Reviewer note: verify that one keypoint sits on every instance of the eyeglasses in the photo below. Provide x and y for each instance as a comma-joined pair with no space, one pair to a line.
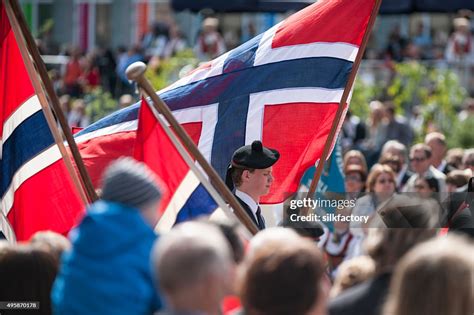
417,159
353,178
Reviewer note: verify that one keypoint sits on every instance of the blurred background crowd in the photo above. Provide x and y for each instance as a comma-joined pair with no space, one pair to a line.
422,63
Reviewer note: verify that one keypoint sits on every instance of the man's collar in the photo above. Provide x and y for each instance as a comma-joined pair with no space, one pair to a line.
442,165
247,199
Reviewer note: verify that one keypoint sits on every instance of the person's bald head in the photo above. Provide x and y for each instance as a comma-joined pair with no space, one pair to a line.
188,254
437,142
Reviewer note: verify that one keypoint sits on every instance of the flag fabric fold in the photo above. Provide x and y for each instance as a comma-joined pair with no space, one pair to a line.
35,187
186,196
282,87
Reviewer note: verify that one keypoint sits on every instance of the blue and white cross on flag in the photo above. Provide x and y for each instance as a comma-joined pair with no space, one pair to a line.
283,87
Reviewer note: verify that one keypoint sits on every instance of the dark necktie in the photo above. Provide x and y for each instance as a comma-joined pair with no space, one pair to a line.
261,222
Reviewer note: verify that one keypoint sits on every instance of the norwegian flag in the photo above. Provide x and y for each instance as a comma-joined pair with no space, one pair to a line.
187,196
35,188
282,87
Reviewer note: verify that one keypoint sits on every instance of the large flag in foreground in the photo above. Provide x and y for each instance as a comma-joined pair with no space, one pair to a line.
187,197
36,190
282,87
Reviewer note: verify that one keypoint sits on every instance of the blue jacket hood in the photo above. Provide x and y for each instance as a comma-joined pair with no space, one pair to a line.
108,229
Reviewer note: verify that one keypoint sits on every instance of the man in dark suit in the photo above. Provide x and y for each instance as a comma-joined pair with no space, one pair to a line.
250,173
437,142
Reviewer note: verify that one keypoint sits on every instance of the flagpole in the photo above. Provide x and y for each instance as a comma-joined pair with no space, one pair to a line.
136,72
345,95
28,47
185,155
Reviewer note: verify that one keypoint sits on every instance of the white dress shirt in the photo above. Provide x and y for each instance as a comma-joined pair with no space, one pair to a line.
249,201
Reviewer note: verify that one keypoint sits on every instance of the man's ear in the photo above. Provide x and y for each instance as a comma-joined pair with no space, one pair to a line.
245,175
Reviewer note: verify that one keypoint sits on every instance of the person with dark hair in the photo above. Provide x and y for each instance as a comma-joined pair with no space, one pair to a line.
311,230
456,181
354,180
396,129
460,207
427,187
108,270
282,274
250,172
229,230
27,274
353,132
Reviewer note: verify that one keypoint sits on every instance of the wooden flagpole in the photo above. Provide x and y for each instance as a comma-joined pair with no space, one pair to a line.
345,95
45,91
136,72
185,155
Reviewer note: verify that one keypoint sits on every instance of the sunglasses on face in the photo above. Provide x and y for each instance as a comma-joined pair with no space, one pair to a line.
353,178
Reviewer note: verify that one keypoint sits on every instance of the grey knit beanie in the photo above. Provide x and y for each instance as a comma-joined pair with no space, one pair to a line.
131,183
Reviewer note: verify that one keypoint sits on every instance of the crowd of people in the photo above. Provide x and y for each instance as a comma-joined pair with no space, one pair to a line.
400,262
105,67
423,175
113,262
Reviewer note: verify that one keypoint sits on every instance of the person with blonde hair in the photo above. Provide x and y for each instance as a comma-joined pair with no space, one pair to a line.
454,157
51,242
355,157
434,278
386,246
352,272
381,186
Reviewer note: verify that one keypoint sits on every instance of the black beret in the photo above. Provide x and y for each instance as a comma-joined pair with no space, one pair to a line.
255,156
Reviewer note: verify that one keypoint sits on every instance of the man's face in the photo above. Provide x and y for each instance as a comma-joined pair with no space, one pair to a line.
438,149
398,153
259,181
419,162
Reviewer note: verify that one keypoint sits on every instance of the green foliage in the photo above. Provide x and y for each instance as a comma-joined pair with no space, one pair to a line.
99,104
462,134
364,93
437,91
162,73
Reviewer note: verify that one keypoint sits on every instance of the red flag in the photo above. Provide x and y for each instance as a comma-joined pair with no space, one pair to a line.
36,190
187,197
